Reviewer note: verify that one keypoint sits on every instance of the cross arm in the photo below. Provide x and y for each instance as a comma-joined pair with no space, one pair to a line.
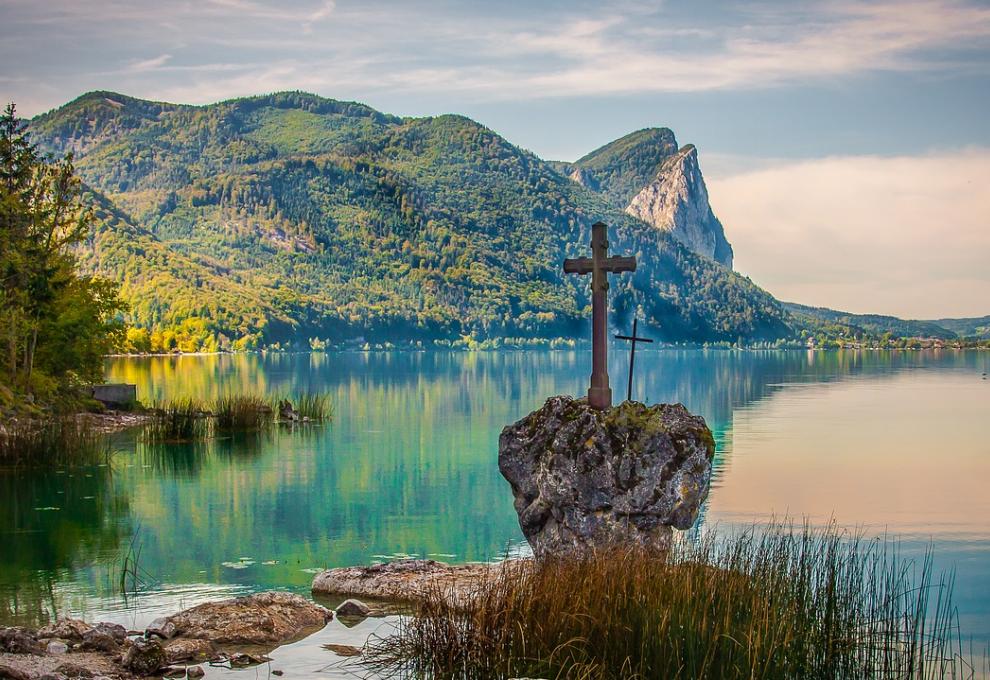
579,265
629,337
620,264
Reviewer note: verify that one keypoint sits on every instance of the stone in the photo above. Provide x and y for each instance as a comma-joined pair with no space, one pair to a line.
677,201
173,672
73,670
70,630
407,580
242,659
96,639
114,630
343,650
195,672
259,619
182,649
56,647
160,627
144,657
586,480
10,673
17,640
353,608
286,412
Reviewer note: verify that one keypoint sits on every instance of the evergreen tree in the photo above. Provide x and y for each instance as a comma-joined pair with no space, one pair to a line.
55,324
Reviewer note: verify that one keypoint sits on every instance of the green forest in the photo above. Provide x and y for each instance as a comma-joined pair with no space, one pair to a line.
292,221
56,324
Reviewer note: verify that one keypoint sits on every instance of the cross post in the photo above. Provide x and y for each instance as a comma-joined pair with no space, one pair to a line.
633,339
598,265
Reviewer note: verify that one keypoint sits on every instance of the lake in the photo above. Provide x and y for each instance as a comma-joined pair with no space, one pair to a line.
895,442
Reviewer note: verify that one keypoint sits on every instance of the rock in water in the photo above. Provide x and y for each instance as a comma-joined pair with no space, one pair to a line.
259,619
585,479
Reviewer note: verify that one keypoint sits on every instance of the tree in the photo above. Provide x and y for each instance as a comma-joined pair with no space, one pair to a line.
55,324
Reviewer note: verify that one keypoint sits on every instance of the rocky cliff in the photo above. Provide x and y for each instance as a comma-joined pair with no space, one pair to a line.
677,201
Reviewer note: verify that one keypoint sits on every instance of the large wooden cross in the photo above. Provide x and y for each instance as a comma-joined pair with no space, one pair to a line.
598,265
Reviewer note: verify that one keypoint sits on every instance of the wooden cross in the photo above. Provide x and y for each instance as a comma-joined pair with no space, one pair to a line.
598,265
633,339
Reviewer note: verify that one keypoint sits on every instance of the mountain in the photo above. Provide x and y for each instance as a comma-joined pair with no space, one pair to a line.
879,324
975,327
290,219
648,176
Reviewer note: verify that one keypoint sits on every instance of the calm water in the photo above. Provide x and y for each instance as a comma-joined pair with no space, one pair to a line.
896,442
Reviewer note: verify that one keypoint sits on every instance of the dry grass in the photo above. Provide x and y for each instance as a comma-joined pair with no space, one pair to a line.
783,603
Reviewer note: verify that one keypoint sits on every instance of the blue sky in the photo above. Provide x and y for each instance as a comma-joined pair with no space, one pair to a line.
875,113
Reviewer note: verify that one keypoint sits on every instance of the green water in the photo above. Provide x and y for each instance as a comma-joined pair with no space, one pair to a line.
886,441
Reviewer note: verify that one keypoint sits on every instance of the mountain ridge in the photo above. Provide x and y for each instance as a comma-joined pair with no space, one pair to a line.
336,222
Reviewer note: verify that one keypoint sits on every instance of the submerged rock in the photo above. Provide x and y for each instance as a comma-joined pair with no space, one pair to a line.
180,649
353,608
585,479
261,619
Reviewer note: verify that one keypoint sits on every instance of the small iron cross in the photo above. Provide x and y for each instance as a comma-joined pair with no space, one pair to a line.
633,339
598,265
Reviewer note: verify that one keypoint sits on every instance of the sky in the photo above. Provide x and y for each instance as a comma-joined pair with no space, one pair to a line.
846,145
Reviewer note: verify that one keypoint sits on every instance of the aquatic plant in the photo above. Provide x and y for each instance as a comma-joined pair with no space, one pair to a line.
314,405
242,412
182,420
778,603
58,440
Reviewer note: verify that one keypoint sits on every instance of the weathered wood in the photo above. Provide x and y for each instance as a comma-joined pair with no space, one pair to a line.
599,265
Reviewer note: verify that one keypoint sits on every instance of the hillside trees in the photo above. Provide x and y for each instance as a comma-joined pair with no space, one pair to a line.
55,323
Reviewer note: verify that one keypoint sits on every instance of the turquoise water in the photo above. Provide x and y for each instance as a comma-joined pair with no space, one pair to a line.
896,442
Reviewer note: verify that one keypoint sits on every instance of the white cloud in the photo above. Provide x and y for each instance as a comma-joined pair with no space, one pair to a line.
501,52
906,235
149,64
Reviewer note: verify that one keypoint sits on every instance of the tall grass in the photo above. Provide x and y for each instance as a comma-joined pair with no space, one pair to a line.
233,413
314,405
182,420
783,603
59,440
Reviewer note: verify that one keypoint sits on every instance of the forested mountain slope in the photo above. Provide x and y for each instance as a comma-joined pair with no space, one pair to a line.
289,218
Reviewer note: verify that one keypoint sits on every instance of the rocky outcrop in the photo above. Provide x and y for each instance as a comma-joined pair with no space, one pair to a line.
405,580
269,618
585,479
677,201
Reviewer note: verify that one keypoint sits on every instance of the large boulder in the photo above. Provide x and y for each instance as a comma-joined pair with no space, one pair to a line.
585,479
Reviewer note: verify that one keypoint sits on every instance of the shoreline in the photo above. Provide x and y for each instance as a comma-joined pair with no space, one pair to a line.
511,348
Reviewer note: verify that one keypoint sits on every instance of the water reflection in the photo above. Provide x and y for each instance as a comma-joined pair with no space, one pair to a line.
894,440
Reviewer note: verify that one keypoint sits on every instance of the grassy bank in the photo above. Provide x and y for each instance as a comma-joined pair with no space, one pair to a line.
781,604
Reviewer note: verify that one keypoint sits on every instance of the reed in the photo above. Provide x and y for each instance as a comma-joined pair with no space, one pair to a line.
314,405
242,412
781,603
182,420
58,441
